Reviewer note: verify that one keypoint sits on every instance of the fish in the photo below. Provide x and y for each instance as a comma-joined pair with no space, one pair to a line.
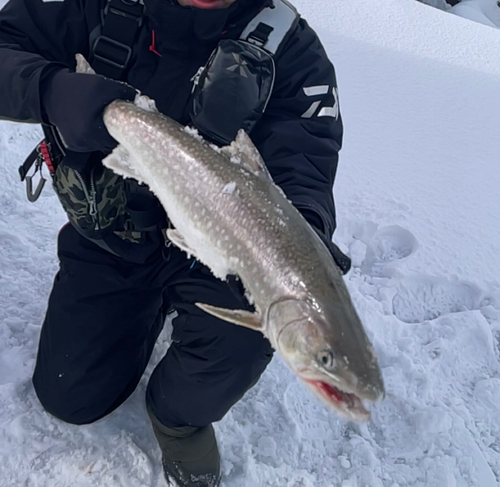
227,212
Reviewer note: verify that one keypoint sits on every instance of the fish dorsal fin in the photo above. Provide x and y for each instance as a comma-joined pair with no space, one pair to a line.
236,316
243,148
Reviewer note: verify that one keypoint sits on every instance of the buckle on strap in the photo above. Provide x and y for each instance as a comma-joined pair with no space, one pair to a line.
121,21
112,52
130,9
260,35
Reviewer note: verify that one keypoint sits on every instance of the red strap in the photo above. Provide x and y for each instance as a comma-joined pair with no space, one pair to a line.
44,150
152,47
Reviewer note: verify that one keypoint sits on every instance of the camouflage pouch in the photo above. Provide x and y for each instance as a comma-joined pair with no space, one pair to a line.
95,203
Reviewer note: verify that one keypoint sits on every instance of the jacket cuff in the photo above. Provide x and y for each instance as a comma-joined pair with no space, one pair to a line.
317,223
47,77
317,217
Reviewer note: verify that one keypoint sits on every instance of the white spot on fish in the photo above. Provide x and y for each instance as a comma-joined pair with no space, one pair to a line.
229,188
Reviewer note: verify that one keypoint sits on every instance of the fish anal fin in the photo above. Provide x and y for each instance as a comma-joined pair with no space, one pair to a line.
244,149
237,316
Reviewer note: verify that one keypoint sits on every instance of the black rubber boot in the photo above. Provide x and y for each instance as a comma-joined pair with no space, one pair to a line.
190,455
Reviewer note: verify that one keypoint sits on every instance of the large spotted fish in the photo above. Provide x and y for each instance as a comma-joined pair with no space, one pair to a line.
227,212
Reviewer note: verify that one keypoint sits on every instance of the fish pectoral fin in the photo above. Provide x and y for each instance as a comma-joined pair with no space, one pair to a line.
244,149
236,316
179,241
122,163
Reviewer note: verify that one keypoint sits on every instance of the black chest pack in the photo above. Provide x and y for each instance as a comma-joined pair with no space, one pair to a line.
231,91
233,88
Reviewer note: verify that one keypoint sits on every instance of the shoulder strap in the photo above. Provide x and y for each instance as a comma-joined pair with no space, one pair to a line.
111,51
270,26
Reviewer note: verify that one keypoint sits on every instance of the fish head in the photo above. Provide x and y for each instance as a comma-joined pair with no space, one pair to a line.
330,353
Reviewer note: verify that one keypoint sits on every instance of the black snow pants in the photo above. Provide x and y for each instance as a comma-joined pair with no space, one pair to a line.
104,316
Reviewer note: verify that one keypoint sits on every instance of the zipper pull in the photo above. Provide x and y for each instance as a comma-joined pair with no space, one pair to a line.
93,206
90,196
93,210
92,200
196,78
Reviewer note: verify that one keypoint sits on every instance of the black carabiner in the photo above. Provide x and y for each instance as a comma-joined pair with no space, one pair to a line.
34,195
36,158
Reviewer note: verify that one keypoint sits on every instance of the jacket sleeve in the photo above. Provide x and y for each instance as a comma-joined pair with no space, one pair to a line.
36,37
300,133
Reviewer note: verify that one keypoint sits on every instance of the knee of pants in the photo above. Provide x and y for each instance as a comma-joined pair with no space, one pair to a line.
237,360
186,389
247,364
63,402
231,388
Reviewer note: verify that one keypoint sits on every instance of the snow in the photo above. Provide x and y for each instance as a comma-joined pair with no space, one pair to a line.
417,196
145,103
486,12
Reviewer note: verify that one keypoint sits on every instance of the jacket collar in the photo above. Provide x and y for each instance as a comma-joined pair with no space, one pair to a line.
182,28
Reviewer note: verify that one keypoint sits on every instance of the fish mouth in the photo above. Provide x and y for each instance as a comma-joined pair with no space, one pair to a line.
346,404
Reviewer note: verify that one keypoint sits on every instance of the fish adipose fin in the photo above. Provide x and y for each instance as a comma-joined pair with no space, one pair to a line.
178,240
236,316
244,149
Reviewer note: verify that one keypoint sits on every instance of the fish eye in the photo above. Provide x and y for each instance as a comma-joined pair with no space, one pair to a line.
326,359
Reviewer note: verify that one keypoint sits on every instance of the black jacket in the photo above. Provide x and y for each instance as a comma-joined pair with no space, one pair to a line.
300,148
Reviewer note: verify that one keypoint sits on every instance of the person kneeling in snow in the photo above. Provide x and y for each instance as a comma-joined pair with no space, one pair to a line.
118,277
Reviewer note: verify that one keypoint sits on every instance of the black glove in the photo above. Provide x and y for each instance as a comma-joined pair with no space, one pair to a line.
343,261
75,102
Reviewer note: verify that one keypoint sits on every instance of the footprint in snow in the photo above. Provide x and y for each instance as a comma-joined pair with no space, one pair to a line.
7,238
388,246
421,299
